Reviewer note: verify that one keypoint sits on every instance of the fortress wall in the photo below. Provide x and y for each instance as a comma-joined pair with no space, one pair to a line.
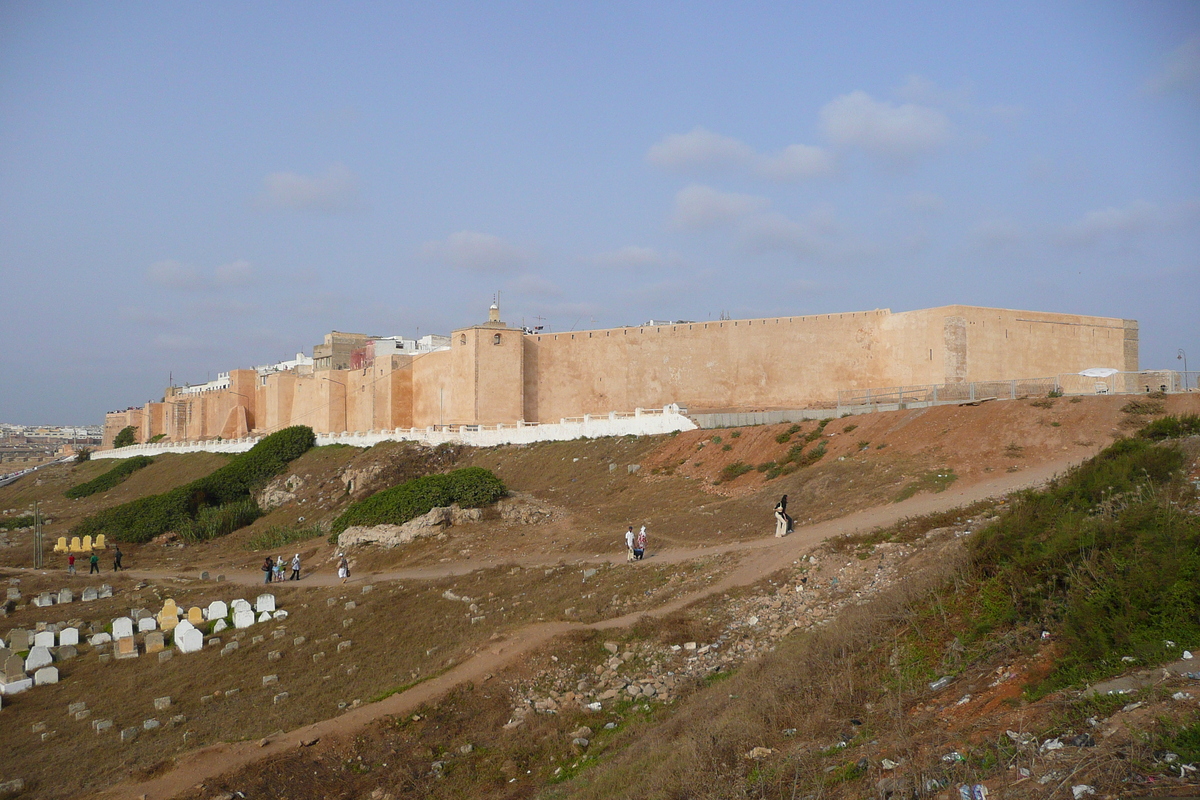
432,388
970,343
783,362
114,421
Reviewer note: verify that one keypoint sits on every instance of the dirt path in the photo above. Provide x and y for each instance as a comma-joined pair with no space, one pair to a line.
763,556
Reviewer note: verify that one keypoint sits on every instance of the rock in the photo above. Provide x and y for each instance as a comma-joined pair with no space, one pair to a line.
582,733
309,742
426,525
759,753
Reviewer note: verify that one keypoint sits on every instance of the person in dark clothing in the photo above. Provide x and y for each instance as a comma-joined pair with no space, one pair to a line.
95,562
117,556
783,523
268,570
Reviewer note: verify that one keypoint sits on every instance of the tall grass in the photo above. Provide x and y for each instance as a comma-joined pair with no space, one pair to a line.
278,536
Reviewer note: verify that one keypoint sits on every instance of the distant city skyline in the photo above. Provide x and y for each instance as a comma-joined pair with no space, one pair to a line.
189,189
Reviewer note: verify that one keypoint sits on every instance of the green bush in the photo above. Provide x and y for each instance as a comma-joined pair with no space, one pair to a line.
184,509
125,437
12,523
735,470
278,536
471,487
1172,427
107,480
1105,558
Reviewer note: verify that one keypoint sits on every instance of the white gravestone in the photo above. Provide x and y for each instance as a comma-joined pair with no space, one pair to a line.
122,627
243,617
265,602
188,639
264,616
45,675
218,610
219,626
38,657
147,624
68,636
43,639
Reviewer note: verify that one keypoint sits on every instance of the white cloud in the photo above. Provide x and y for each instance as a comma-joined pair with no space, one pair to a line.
702,149
884,129
1094,226
700,207
699,149
633,256
332,191
479,252
1180,71
235,273
173,275
796,162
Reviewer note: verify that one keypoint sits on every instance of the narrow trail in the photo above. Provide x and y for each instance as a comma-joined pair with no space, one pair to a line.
762,557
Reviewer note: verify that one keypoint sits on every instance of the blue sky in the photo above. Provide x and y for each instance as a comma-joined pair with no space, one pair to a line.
189,188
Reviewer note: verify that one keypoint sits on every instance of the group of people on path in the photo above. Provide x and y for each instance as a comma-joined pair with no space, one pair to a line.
635,544
273,572
95,562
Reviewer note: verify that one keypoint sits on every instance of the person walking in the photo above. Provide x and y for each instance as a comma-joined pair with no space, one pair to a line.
343,567
629,544
639,547
117,556
279,569
783,523
268,570
95,562
71,564
295,568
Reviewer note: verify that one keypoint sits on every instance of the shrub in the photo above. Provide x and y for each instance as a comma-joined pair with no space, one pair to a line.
125,437
158,437
107,480
1171,428
1142,407
1103,556
812,456
180,509
735,434
12,523
472,487
766,466
1054,393
278,536
1045,402
83,454
848,428
783,438
734,470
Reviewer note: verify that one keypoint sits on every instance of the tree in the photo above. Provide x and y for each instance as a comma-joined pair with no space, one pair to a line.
125,437
83,454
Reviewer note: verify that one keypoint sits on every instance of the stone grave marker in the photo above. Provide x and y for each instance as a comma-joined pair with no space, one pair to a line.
219,626
203,576
218,610
68,636
195,615
264,616
43,600
18,640
45,675
155,642
122,628
265,602
65,653
168,618
97,639
44,639
66,596
76,546
147,624
14,593
280,614
4,655
138,613
14,669
243,616
89,594
188,639
105,592
126,648
38,657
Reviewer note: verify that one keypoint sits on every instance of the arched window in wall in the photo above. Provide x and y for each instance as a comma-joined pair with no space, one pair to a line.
496,339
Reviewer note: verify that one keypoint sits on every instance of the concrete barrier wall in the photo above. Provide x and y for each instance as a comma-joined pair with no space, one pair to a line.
638,423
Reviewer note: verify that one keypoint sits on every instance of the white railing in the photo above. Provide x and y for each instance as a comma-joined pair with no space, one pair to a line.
637,423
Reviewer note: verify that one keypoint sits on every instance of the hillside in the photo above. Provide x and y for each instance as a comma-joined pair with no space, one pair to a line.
774,668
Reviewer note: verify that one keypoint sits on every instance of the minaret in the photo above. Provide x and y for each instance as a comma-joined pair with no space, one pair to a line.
494,313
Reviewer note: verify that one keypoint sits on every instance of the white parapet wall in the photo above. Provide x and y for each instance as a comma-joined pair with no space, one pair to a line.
641,422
